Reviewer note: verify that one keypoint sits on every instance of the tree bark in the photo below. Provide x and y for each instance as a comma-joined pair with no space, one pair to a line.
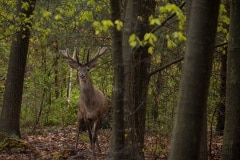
117,139
136,63
10,115
195,82
221,105
231,142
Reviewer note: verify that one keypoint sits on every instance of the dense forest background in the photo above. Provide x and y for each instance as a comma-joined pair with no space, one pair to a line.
86,25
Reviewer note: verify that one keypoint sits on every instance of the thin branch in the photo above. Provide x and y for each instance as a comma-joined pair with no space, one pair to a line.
179,60
221,44
2,78
162,24
166,66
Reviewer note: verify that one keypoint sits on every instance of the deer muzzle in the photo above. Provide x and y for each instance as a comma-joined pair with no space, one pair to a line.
83,78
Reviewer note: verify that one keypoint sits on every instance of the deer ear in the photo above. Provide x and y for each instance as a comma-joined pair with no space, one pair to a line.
92,64
73,64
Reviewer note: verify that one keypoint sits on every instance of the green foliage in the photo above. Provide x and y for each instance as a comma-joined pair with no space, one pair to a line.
173,39
223,22
7,18
102,26
173,9
105,25
176,37
15,144
148,40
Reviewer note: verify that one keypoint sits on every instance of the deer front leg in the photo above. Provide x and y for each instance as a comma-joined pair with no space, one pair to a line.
77,135
92,145
90,135
95,137
79,123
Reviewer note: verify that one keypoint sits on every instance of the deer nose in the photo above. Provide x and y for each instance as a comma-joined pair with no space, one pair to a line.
82,76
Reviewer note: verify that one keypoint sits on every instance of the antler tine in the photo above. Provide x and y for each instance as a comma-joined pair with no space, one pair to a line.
76,51
65,54
99,53
88,57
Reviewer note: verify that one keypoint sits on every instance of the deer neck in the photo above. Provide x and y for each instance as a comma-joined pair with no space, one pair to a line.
87,89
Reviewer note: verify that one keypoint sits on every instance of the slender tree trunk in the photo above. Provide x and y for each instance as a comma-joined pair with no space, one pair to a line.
231,142
137,63
129,24
221,105
195,82
117,139
69,87
223,76
10,115
203,144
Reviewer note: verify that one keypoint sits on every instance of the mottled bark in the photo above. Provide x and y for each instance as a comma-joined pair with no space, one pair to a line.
191,111
10,115
221,105
231,142
136,63
117,139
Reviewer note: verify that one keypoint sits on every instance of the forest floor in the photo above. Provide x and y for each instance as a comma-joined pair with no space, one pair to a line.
57,144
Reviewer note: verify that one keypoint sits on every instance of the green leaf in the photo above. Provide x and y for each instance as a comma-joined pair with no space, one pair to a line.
107,24
25,5
150,38
58,17
133,40
119,24
46,14
154,21
146,36
150,49
91,3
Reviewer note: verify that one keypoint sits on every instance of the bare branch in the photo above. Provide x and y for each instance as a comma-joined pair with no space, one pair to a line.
221,44
179,60
166,66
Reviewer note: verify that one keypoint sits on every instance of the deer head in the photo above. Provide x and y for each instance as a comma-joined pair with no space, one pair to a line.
82,68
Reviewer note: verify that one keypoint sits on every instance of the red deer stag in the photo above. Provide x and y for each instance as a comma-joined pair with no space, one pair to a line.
92,105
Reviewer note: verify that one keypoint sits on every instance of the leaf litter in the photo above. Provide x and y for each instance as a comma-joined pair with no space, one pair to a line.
58,144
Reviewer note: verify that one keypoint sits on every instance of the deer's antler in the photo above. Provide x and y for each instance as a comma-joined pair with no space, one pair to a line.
99,53
66,55
71,61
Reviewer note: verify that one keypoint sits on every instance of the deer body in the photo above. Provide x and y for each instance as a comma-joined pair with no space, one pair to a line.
92,105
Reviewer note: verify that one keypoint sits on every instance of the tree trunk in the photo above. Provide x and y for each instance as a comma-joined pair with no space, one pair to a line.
117,139
231,142
203,155
195,82
221,105
10,115
136,63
